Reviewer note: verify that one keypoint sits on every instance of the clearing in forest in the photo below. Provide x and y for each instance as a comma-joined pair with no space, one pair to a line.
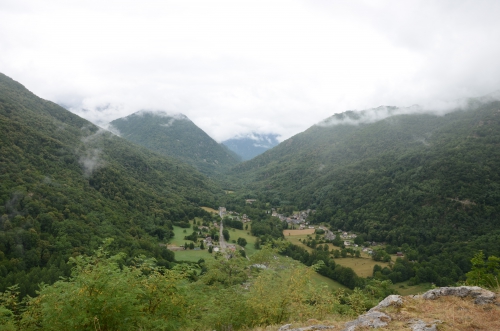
210,210
298,232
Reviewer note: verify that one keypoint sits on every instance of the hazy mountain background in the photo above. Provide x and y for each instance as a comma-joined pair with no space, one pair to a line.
251,145
66,184
176,136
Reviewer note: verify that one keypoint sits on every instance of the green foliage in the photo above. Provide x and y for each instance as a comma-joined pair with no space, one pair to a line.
422,180
65,185
104,294
232,223
225,234
484,272
176,136
242,242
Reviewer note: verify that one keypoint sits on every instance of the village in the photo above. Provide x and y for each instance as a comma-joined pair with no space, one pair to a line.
228,232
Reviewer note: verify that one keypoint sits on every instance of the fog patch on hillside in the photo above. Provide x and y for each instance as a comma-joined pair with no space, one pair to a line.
89,155
437,108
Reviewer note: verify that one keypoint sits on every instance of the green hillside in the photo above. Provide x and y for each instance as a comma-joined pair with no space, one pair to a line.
425,181
176,136
67,184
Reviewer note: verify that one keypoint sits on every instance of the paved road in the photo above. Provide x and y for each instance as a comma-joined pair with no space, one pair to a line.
222,242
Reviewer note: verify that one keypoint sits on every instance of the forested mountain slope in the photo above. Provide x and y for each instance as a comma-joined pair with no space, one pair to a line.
67,184
431,182
176,136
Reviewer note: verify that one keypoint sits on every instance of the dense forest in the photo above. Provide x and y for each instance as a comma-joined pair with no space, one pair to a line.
423,181
177,136
67,184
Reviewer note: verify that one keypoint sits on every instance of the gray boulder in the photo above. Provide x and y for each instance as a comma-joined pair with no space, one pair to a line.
286,327
372,319
391,300
481,295
419,325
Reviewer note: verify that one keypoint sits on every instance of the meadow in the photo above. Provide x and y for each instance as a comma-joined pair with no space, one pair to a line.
298,232
210,210
362,266
195,255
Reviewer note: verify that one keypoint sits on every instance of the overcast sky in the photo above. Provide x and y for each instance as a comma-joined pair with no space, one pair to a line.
235,67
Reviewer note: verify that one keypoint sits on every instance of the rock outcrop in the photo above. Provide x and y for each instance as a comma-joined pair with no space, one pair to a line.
416,313
287,327
481,295
376,318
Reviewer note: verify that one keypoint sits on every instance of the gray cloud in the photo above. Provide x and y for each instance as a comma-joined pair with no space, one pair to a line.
90,154
239,67
90,160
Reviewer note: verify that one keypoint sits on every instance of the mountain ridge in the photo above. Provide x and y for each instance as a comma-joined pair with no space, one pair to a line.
175,135
66,185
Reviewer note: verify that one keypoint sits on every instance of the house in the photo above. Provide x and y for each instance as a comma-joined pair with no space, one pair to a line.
347,243
222,211
250,201
399,254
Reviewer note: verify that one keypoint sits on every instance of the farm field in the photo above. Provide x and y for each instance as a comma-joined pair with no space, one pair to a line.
210,210
404,289
294,239
362,266
179,234
234,234
287,233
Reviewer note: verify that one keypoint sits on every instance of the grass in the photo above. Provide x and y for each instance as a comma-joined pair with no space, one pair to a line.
362,266
405,289
294,233
234,234
448,313
178,239
210,210
319,280
194,256
453,313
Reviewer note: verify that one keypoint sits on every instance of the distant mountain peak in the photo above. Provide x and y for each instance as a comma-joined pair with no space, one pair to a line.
160,114
175,135
250,145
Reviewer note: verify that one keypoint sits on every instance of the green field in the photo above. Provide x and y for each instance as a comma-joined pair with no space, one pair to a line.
210,210
194,256
234,234
179,234
404,289
362,266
